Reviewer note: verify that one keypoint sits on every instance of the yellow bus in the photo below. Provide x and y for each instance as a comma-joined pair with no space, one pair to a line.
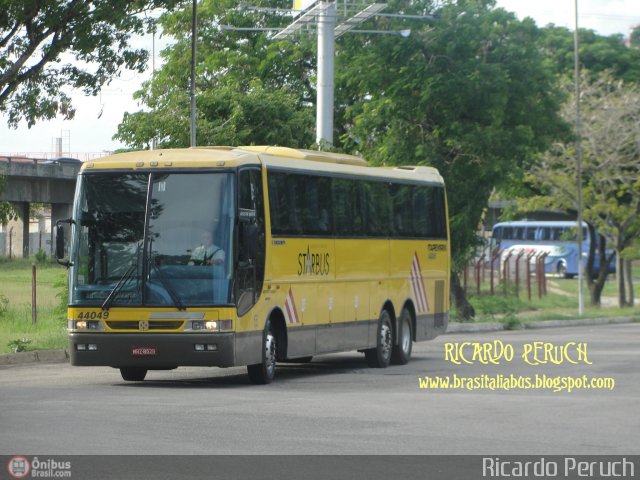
223,256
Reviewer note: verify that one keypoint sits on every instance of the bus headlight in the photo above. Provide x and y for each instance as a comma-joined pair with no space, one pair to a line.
210,325
85,325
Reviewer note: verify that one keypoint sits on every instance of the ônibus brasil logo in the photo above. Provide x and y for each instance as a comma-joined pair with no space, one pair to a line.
19,467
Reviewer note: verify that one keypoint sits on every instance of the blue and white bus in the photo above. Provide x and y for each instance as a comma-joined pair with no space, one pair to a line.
558,239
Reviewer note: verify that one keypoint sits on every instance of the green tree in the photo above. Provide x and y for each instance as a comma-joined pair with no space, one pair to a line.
49,46
610,180
469,94
250,90
598,53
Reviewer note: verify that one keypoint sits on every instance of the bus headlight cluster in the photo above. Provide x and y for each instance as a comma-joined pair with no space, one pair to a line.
211,325
85,325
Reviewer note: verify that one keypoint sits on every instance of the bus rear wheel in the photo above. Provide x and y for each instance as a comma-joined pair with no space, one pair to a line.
380,356
264,372
402,351
133,374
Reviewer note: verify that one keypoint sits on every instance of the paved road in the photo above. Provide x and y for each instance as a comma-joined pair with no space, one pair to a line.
335,405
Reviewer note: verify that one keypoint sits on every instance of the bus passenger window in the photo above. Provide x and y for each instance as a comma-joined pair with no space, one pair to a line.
543,233
530,233
556,233
347,203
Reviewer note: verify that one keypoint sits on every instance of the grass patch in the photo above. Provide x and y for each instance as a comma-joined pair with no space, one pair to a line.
16,329
561,303
570,286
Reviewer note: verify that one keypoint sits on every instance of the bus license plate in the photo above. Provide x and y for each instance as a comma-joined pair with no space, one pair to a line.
144,351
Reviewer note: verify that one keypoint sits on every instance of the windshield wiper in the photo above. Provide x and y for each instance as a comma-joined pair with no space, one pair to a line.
124,279
167,286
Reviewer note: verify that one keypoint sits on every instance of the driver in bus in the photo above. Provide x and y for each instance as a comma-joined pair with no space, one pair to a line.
207,253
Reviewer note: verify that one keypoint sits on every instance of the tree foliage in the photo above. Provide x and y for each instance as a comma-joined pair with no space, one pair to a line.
49,46
468,94
250,90
610,168
597,53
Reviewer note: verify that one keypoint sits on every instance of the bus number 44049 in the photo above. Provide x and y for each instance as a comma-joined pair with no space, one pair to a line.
93,315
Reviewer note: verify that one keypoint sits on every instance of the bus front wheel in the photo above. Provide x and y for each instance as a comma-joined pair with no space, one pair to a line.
402,351
562,269
265,372
380,356
133,374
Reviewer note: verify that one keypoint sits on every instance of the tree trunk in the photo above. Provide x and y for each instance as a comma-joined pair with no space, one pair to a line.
622,300
629,281
465,310
595,293
596,279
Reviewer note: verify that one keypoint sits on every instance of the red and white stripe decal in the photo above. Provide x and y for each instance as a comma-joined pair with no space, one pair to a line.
290,311
417,285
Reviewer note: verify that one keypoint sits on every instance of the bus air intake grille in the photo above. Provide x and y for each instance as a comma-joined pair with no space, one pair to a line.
153,325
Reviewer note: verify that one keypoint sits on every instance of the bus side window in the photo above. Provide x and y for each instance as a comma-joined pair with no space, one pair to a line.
347,204
402,216
278,203
436,223
378,211
543,234
530,233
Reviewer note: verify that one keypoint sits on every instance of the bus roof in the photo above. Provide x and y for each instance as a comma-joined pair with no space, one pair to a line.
538,223
276,157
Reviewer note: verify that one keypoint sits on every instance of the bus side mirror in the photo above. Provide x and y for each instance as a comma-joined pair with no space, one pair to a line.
60,243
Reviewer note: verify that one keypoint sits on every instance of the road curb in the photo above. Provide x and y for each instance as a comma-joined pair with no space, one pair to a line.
43,356
456,327
61,356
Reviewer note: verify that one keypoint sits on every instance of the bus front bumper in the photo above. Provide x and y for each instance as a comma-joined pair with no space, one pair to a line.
152,350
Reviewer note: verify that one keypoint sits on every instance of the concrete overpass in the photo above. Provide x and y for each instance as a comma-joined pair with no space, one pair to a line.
43,181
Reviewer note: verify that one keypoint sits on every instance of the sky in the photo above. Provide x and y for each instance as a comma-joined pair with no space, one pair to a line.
90,133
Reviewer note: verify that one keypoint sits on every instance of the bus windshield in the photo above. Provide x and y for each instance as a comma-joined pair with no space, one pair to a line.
160,239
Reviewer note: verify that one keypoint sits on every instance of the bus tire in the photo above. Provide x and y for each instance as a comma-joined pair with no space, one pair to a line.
402,351
380,356
133,374
264,372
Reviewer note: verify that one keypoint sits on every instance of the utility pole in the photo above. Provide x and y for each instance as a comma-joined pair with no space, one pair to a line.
576,56
325,87
323,13
194,21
